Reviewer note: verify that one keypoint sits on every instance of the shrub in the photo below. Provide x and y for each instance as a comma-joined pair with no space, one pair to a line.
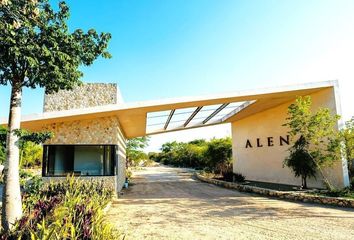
348,136
218,154
71,209
238,177
2,154
128,173
352,183
154,156
345,192
148,163
24,176
31,154
233,177
213,155
228,176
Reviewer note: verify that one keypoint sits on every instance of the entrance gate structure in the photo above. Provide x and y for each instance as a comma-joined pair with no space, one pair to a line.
91,125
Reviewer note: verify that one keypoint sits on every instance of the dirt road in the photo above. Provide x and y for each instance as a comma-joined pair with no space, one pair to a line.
166,203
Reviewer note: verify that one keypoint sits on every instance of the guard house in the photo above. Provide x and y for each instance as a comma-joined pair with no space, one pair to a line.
91,124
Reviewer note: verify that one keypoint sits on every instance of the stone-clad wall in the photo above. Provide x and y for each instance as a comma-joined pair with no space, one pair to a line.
87,95
103,130
121,175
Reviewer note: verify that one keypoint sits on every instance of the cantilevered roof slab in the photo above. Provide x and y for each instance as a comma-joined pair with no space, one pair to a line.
135,118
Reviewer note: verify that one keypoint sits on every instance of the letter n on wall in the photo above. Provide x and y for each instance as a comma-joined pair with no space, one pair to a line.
283,140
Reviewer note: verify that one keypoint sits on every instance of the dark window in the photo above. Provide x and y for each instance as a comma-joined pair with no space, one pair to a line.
83,160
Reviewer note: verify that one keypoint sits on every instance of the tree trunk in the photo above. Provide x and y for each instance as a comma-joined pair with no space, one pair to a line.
11,200
328,184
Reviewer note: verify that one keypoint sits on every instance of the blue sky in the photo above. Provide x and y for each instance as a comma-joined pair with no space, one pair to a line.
174,48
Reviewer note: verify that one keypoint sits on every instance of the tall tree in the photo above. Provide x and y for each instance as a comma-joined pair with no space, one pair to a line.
37,50
315,139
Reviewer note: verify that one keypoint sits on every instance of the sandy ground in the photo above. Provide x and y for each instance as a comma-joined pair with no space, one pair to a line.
166,203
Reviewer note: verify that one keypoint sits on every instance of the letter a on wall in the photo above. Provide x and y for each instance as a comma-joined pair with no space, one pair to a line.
248,144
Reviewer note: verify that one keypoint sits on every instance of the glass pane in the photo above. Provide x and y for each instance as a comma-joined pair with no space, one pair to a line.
88,160
60,160
84,160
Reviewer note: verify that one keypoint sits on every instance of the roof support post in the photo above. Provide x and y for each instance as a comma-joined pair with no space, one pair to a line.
169,118
192,116
215,112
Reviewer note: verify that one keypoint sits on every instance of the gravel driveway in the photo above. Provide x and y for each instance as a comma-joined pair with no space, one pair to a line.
166,203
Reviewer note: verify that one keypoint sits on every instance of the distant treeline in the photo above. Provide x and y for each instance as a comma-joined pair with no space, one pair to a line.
213,156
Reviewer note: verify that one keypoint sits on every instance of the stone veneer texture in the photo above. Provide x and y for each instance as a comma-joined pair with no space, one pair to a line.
103,130
121,173
84,96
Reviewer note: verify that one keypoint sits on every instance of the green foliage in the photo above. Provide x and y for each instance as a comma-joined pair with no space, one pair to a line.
3,134
128,173
181,154
135,153
2,155
70,209
348,136
300,161
25,136
137,143
315,138
31,155
213,155
37,49
238,177
346,193
34,137
219,155
233,177
30,149
25,175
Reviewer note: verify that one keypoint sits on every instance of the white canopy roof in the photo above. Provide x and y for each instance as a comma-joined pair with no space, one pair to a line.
151,117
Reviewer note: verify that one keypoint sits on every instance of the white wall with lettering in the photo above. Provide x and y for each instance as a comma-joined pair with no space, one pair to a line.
260,145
